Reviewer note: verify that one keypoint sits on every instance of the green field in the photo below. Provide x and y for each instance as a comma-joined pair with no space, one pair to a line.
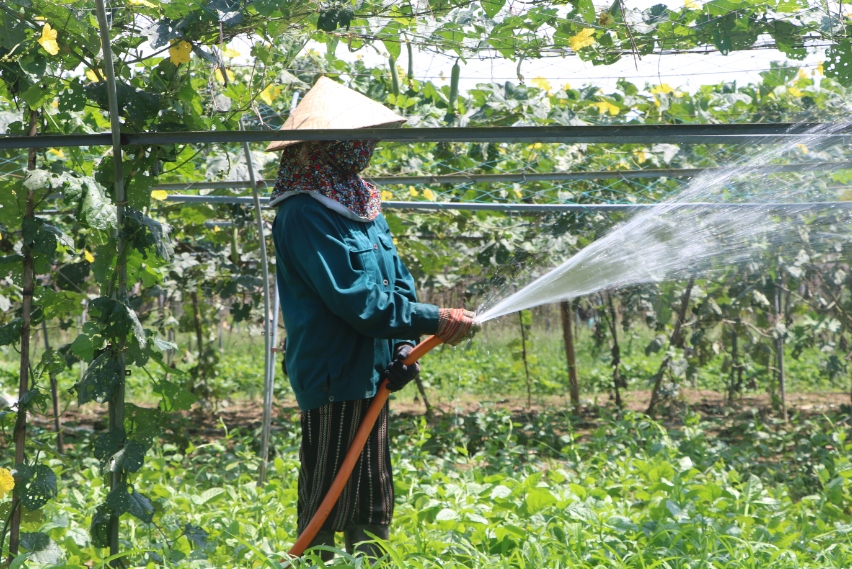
486,482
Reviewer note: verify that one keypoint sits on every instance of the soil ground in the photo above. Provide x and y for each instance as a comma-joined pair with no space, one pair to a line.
207,424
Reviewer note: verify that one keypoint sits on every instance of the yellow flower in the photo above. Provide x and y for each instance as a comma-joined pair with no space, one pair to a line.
413,192
159,195
537,146
7,482
802,148
583,39
664,89
604,107
518,193
228,52
270,94
387,195
48,40
656,102
429,194
541,83
640,155
216,229
92,76
567,87
820,69
88,256
57,152
228,72
794,91
179,52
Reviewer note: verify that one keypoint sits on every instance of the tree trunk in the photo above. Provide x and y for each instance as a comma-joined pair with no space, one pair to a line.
420,388
28,283
54,395
734,385
567,315
524,356
196,318
616,351
675,340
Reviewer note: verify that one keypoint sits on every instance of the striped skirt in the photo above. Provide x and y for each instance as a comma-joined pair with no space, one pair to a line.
327,433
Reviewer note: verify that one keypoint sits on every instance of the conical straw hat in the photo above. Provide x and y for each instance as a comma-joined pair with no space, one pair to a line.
330,105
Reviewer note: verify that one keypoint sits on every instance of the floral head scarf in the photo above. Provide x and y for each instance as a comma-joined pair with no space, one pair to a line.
328,171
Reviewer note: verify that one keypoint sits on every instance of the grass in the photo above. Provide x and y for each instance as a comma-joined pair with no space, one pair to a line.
486,486
494,490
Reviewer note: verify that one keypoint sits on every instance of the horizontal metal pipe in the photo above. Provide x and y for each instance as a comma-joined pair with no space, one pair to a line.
531,177
536,208
601,134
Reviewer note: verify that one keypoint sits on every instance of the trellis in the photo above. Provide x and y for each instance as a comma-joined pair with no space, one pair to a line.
622,134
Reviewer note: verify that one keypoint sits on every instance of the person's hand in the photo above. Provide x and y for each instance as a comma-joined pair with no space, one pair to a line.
456,324
397,373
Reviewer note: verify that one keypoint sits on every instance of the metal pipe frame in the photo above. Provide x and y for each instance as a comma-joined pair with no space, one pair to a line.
595,134
524,177
116,401
537,208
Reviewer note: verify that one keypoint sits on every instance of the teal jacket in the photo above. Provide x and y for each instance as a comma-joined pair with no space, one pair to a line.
347,300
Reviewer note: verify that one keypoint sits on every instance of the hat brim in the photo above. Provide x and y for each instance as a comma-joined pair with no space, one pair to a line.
282,144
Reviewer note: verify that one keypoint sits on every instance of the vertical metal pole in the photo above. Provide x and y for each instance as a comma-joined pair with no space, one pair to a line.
271,335
275,311
116,403
267,323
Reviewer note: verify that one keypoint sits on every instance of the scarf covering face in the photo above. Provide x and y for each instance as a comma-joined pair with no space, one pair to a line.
328,172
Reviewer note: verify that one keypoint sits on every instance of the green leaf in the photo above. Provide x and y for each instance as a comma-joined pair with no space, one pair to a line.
393,41
33,397
196,535
538,499
118,499
100,380
42,240
130,458
36,96
34,485
72,276
108,444
12,29
87,342
141,507
99,528
141,232
11,333
52,363
175,398
43,549
492,7
839,62
142,424
117,320
96,210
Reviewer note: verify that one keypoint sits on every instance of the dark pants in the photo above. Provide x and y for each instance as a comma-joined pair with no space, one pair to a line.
327,433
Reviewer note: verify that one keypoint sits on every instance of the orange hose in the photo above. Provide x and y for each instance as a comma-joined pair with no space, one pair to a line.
354,452
421,349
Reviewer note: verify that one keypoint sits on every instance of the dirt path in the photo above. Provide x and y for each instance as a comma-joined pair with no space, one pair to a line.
207,424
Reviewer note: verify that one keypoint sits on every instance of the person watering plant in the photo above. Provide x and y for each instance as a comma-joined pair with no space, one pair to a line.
350,310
